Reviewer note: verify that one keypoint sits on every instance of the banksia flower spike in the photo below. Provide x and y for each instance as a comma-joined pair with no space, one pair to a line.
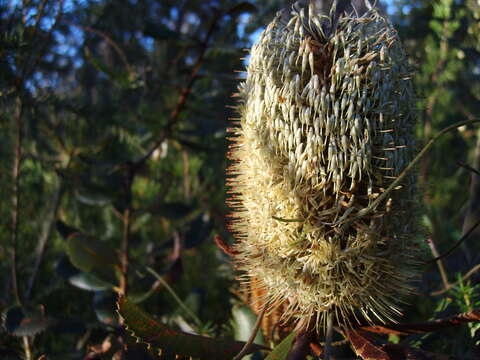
326,124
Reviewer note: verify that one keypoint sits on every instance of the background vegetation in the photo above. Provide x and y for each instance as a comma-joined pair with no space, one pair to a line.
113,118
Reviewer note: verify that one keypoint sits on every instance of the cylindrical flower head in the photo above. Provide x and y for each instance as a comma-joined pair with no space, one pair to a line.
327,123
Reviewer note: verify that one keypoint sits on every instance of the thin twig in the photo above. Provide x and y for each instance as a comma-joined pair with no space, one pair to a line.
125,246
253,335
182,100
370,208
464,277
457,244
441,267
27,348
468,167
108,39
45,235
28,70
175,296
15,210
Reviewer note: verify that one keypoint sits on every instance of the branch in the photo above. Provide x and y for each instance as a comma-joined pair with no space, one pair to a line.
457,244
45,235
126,219
471,272
430,326
15,216
441,267
253,335
41,52
182,100
370,208
108,39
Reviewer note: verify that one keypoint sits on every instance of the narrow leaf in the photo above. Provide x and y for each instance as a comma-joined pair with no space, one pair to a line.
280,352
156,335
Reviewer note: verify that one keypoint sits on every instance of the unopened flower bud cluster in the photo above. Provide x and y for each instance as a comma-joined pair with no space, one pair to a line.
327,121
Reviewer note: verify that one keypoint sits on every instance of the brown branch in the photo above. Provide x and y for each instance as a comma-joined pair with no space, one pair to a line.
471,272
108,39
441,267
44,236
370,208
125,245
253,335
41,52
457,244
472,213
15,210
430,326
182,100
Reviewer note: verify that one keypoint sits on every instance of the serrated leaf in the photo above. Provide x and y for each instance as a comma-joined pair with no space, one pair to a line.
19,321
86,253
364,348
156,335
280,352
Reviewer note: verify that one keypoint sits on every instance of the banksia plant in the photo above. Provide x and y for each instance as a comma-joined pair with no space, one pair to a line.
326,125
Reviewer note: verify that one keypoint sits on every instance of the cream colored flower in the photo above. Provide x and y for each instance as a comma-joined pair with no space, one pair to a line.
327,122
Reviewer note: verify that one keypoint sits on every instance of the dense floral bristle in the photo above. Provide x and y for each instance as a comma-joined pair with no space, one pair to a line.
327,121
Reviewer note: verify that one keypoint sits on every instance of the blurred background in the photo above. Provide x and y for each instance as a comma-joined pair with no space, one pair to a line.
113,117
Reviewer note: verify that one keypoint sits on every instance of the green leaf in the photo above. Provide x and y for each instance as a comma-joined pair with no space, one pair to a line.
159,31
173,210
89,282
91,198
280,352
86,253
156,335
104,307
243,323
80,279
243,7
19,321
64,229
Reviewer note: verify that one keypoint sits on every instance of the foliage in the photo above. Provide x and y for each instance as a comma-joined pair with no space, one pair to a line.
114,114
